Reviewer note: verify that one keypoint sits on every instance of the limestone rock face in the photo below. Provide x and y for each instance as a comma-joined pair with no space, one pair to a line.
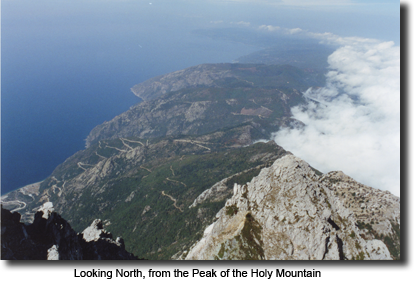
377,212
287,212
94,231
99,244
47,209
53,253
219,190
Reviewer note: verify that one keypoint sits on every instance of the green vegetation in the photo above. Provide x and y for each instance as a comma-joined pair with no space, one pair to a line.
317,172
180,170
326,198
360,256
221,252
265,93
146,193
231,210
391,241
243,178
333,180
363,225
248,245
249,237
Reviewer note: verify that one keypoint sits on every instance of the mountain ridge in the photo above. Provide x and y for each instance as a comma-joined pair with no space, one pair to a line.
160,173
231,95
287,212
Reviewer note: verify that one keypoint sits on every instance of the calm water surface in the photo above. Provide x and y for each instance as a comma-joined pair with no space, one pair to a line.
61,78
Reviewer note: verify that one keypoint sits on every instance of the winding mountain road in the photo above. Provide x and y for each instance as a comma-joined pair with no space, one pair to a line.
197,143
172,199
15,202
176,181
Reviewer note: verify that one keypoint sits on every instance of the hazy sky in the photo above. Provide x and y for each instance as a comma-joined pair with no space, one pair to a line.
377,18
108,42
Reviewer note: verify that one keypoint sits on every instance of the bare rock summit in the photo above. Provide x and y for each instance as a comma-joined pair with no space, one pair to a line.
288,212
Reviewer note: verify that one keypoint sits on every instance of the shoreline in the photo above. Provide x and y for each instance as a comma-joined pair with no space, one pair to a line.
17,189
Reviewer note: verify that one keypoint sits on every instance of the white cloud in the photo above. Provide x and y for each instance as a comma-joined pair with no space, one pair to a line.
329,38
355,127
269,28
294,31
241,23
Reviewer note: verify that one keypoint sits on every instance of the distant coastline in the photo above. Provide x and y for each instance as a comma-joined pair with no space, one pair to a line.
31,185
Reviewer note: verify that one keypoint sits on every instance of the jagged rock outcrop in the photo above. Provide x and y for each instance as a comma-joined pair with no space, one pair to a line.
223,190
288,212
97,243
51,237
377,212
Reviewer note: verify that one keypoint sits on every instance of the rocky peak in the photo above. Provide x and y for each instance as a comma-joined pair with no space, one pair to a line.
94,231
51,237
286,212
47,209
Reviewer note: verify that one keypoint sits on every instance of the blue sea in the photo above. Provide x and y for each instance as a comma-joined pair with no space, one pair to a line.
64,72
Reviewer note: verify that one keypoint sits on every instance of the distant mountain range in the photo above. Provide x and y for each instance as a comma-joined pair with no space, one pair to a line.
183,175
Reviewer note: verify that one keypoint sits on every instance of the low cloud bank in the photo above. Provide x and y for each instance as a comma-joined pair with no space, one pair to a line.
353,124
271,28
